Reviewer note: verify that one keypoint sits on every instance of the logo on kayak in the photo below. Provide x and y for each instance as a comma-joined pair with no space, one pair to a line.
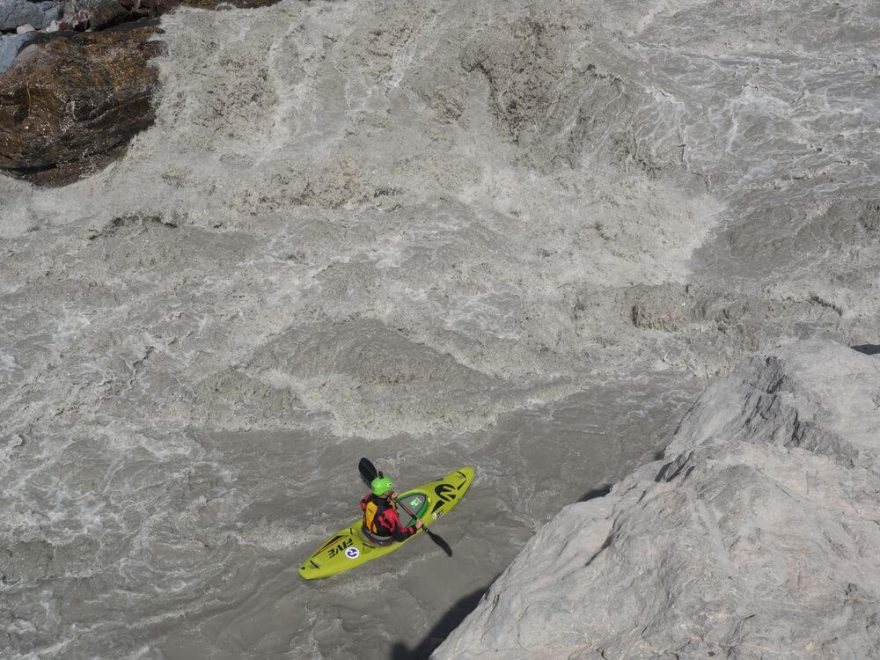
446,492
345,547
438,514
331,542
352,553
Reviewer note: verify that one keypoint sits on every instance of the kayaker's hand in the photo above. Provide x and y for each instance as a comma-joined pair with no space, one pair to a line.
419,524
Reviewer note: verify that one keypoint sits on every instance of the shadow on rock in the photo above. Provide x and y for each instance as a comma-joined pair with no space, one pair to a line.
447,623
599,491
867,349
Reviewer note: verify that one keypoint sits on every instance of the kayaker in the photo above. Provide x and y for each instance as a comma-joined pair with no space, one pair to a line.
380,513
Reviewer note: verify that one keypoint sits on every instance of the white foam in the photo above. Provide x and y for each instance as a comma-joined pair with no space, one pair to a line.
8,362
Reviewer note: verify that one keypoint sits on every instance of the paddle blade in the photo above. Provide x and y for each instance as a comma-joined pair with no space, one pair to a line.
368,470
439,541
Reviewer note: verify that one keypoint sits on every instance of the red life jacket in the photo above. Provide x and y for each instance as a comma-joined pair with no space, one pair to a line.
381,519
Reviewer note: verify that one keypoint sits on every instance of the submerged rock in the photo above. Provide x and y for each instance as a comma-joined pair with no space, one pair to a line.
756,536
70,104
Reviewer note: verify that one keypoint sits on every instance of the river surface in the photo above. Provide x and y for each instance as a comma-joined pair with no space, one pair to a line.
514,235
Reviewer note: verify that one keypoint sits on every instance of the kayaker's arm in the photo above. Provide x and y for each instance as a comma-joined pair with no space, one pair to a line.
398,531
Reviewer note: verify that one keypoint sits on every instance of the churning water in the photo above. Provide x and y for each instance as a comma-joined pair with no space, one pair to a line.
514,235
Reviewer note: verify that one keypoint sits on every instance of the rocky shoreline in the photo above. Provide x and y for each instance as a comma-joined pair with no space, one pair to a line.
72,102
755,535
76,83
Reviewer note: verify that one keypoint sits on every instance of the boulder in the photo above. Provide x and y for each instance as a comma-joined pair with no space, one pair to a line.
102,14
221,4
11,45
756,536
14,13
71,102
150,7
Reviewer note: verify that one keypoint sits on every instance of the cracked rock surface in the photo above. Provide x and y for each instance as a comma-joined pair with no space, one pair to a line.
756,533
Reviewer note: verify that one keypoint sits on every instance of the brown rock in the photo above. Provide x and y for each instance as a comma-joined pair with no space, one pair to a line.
107,14
149,7
159,7
239,4
70,104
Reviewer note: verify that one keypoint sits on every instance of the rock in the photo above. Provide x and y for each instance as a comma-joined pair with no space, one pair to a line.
24,29
102,14
97,14
71,105
820,397
237,4
14,13
756,536
80,21
11,45
159,7
152,7
107,14
71,102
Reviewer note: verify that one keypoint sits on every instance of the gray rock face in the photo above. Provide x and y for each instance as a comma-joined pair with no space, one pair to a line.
757,537
14,13
10,46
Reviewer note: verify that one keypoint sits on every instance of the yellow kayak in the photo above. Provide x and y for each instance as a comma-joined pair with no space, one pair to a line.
349,548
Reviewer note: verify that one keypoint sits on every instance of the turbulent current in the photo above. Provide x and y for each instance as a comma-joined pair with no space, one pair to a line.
515,235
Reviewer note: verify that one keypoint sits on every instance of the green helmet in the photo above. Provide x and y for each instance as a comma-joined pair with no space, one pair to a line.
381,485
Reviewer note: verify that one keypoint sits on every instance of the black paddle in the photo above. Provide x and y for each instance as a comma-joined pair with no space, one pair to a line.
369,472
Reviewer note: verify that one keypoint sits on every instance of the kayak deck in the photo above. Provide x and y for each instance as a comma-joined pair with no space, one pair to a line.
348,548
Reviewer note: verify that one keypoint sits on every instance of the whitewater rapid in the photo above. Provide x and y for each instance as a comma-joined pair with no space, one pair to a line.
516,235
